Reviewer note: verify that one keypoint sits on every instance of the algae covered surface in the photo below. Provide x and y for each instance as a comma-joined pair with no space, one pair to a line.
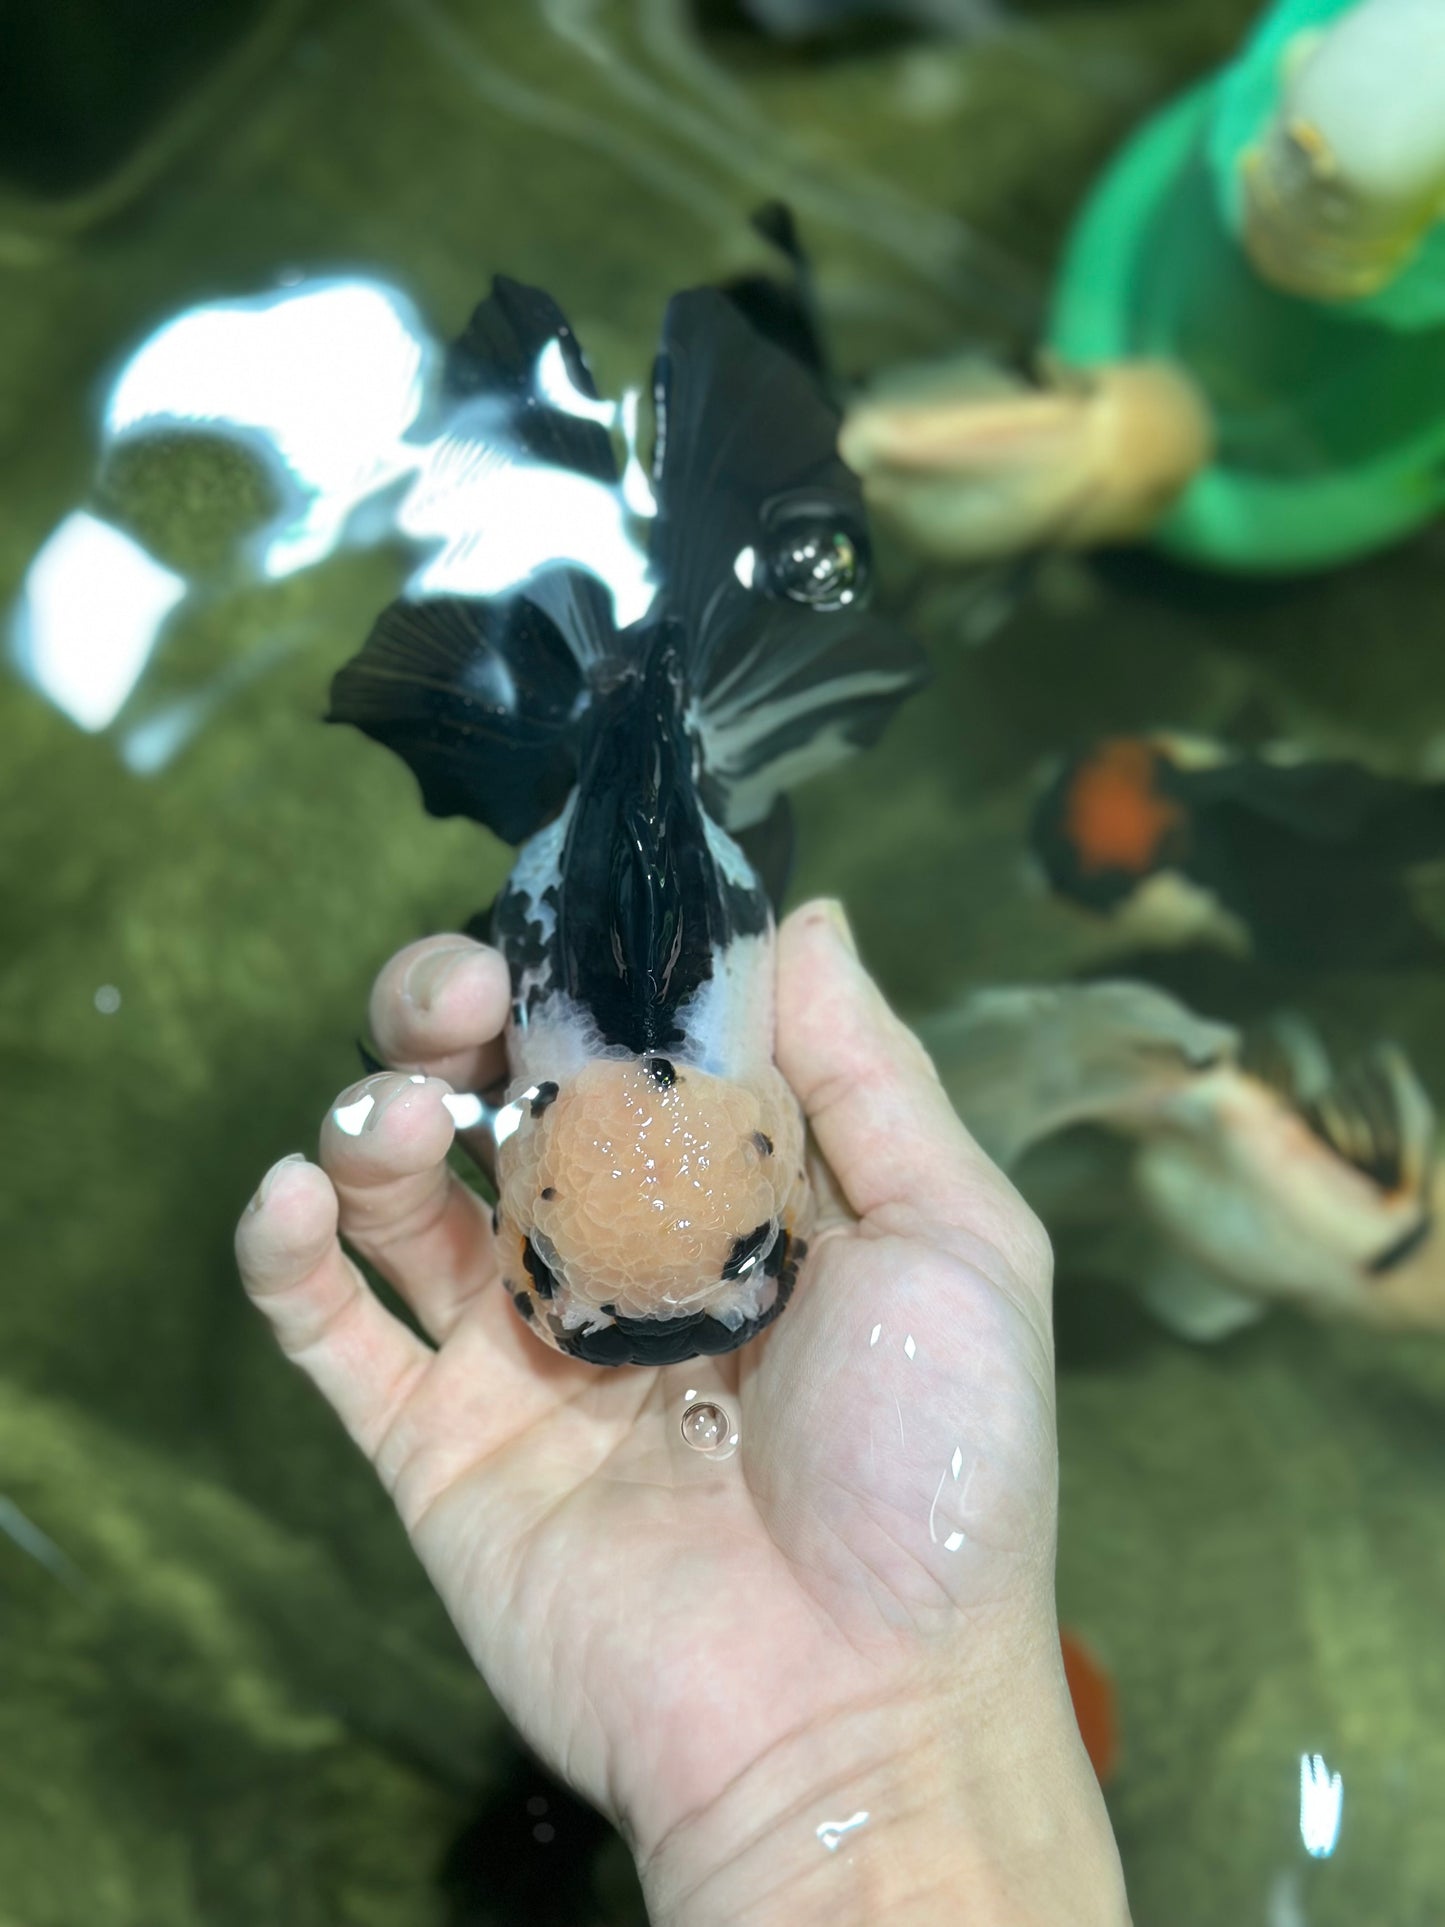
229,1697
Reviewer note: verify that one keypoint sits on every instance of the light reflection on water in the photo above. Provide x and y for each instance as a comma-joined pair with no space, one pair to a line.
1321,1806
325,381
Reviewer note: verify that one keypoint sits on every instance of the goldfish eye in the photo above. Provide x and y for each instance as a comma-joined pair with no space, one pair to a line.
814,562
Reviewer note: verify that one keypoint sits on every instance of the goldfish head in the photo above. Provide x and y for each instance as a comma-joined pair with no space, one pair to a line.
649,1211
1292,1180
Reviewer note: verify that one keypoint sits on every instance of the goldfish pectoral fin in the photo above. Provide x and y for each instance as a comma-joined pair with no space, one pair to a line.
1194,1302
1023,1062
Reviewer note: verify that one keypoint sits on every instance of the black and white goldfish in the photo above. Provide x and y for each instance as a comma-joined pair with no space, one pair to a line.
1304,864
653,1202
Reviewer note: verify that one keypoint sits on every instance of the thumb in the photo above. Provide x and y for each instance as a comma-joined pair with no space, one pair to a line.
879,1113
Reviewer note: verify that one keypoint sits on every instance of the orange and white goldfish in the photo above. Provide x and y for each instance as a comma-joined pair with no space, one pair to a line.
1258,1172
1301,863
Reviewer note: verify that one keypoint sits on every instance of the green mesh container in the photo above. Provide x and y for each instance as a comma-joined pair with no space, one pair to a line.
1331,416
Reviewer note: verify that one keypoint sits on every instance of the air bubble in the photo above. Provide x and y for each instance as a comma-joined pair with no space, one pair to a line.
705,1426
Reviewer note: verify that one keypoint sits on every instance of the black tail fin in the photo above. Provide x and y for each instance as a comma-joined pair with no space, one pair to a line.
784,311
482,697
498,357
762,552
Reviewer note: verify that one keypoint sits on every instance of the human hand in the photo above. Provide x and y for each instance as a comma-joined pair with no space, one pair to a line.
854,1614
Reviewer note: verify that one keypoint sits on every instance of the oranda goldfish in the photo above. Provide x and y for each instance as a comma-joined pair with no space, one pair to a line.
652,1197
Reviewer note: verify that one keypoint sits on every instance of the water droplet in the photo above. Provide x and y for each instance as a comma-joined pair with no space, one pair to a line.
107,1000
705,1426
831,1832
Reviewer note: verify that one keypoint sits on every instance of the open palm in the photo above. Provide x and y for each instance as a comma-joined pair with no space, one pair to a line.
658,1622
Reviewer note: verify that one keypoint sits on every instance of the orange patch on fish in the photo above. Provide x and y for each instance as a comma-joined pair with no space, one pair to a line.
1092,1691
1114,816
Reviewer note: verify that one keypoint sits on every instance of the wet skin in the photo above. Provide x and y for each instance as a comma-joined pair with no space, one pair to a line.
855,1612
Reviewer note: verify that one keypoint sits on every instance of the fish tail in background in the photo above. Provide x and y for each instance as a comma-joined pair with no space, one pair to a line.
762,554
1095,1707
1420,825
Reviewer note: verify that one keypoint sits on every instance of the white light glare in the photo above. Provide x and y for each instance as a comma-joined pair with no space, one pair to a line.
351,1117
555,386
1321,1801
324,381
328,377
467,1110
499,518
831,1832
89,614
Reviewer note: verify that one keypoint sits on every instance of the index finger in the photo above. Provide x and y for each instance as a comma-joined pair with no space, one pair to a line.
439,1006
879,1113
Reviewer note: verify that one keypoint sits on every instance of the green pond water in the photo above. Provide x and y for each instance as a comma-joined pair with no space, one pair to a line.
232,1699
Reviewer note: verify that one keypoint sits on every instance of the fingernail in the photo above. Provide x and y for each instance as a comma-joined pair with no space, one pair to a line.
264,1188
836,917
425,978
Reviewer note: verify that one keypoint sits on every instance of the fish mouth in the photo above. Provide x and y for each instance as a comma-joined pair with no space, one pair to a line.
672,1341
1394,1255
1371,1112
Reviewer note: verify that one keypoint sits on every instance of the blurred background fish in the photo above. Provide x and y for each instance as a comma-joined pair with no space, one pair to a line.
1305,864
1258,1170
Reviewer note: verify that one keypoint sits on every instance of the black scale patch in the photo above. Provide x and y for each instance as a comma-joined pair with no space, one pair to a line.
546,1094
672,1341
539,1271
517,932
748,1252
